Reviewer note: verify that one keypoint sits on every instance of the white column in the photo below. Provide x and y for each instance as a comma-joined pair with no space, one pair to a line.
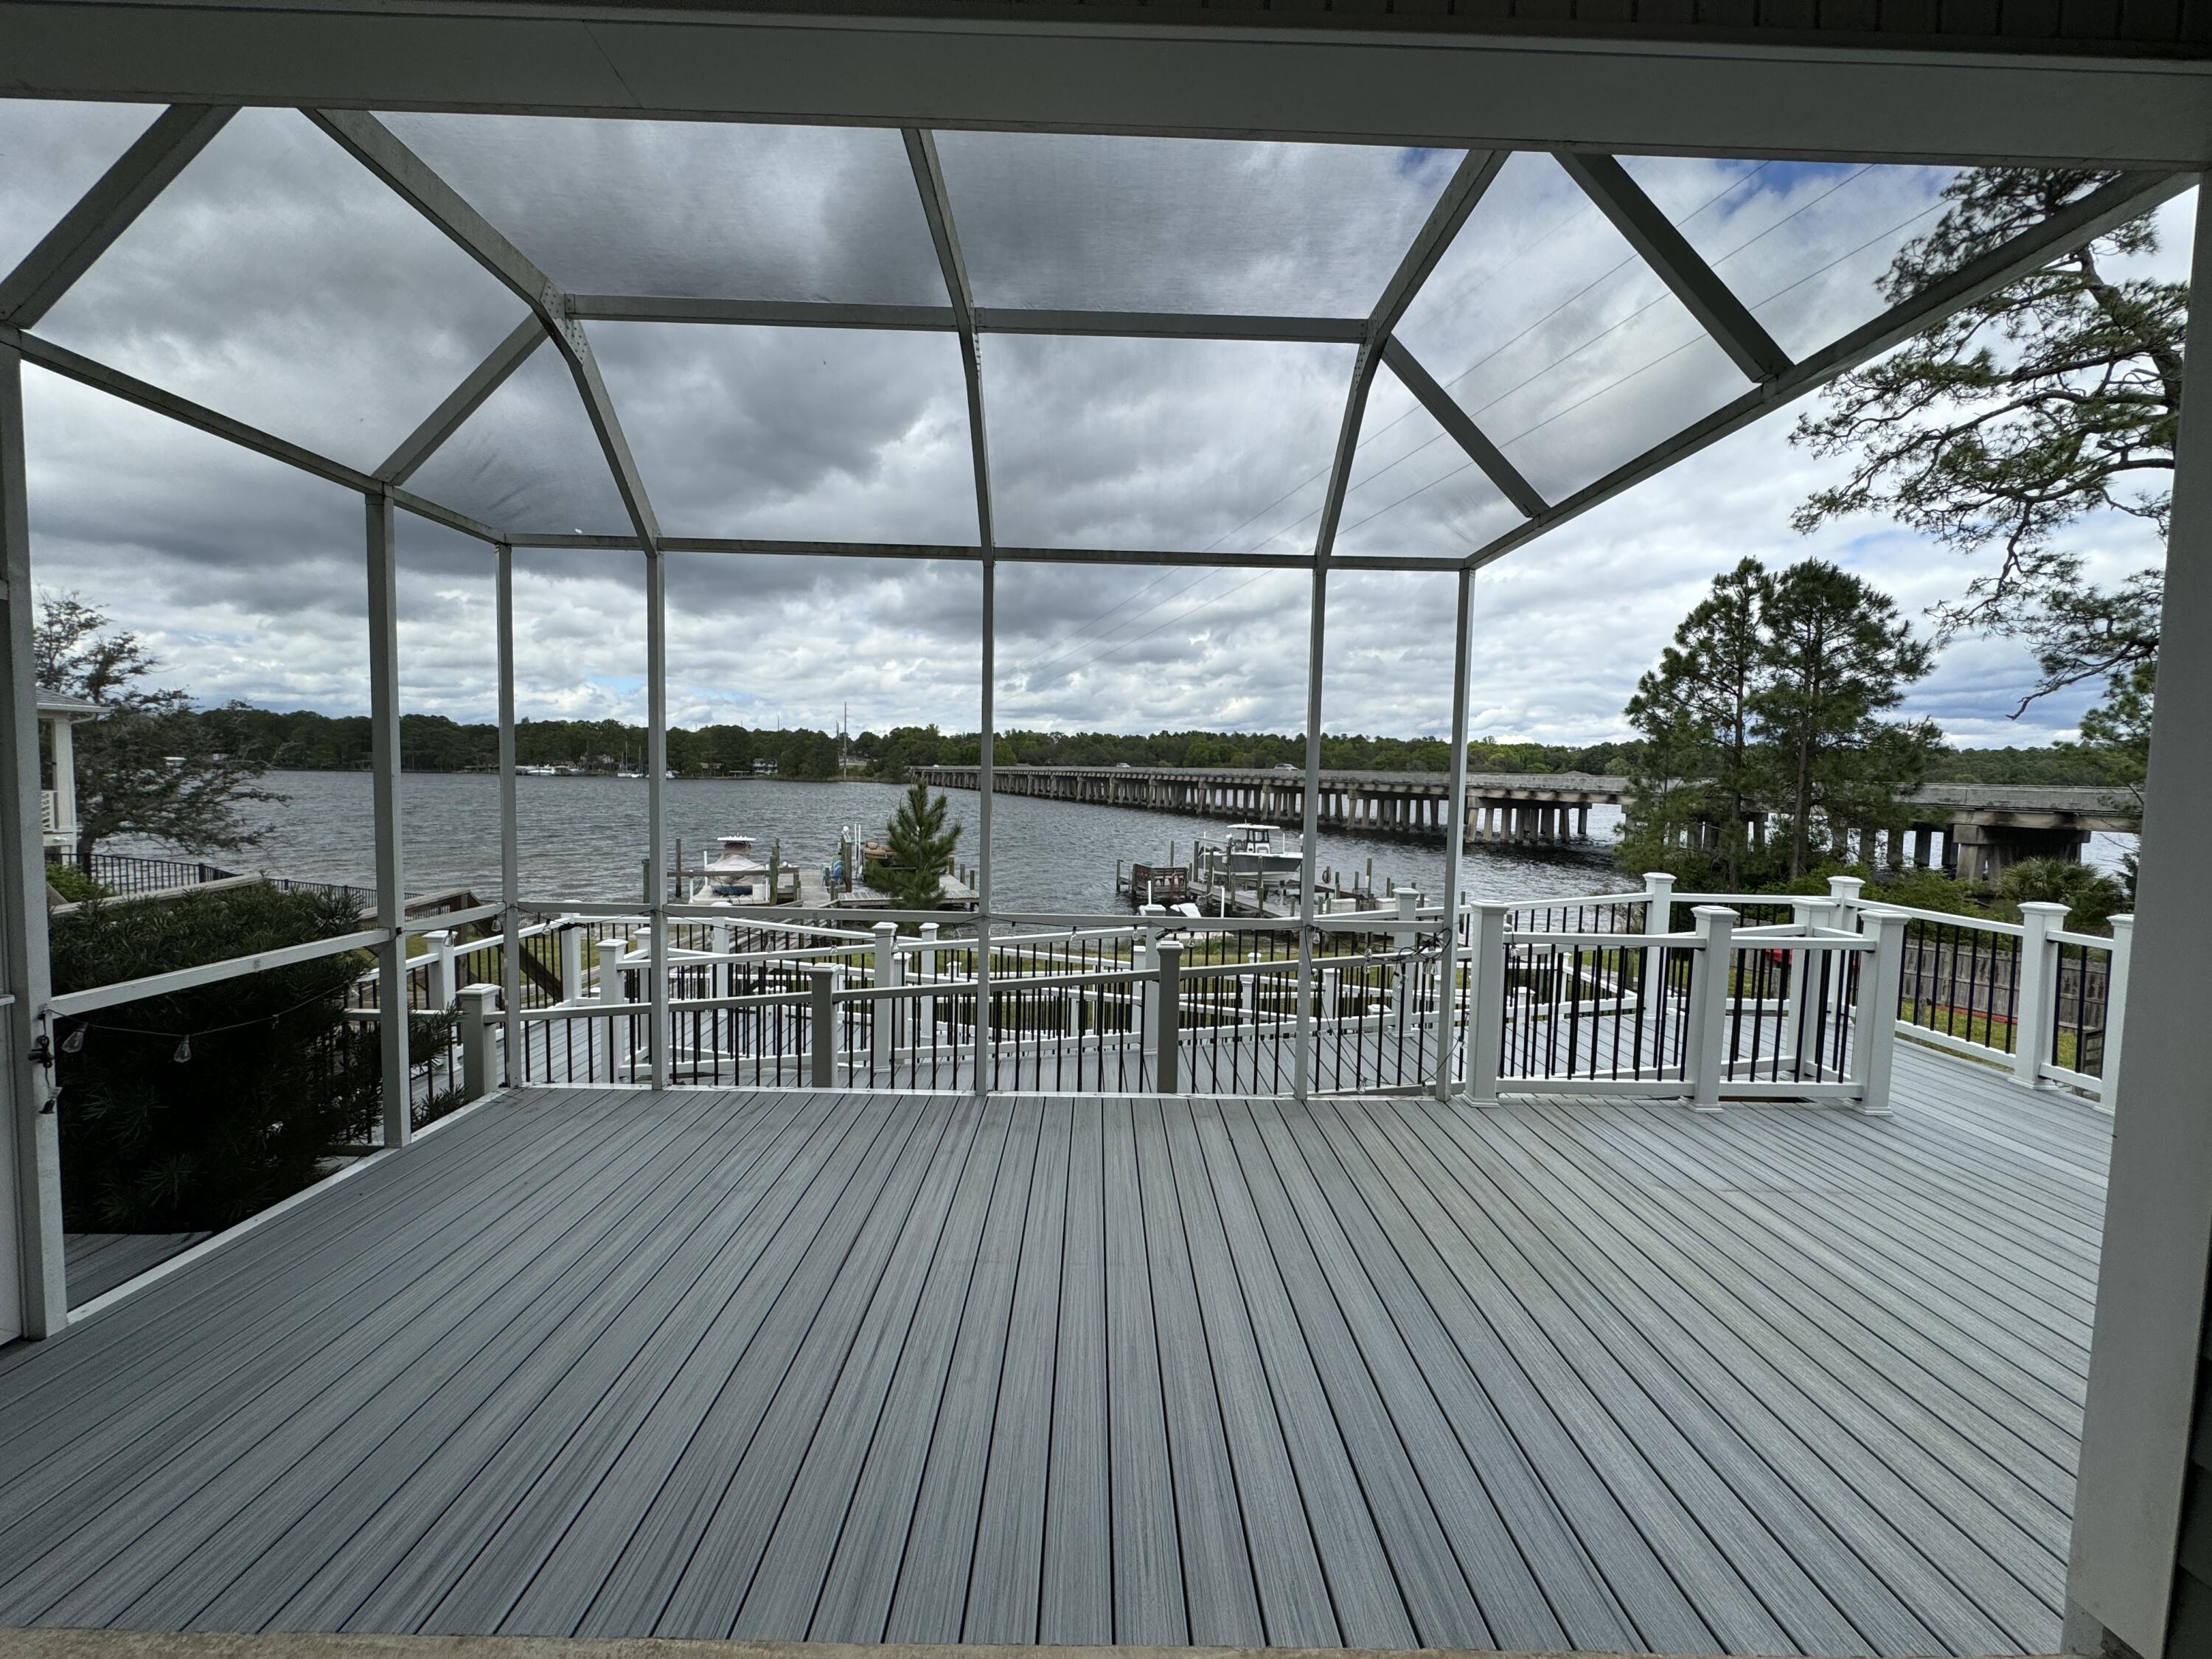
1309,829
656,772
33,1286
1455,840
988,722
510,868
2158,1208
383,761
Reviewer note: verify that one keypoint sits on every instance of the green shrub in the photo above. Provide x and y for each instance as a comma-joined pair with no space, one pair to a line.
2092,898
196,1110
73,885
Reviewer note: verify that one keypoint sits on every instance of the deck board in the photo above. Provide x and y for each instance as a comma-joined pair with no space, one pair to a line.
850,1368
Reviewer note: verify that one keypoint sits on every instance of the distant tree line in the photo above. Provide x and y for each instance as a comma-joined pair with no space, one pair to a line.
305,741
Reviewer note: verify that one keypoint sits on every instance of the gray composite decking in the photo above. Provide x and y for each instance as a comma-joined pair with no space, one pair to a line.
98,1262
1375,1372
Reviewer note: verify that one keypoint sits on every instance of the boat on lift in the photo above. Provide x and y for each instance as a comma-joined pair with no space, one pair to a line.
732,875
1263,850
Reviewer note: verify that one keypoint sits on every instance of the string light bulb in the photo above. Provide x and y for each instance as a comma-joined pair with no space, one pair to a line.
184,1051
74,1043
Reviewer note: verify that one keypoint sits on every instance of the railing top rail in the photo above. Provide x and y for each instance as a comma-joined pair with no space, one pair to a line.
1636,896
1980,924
2088,941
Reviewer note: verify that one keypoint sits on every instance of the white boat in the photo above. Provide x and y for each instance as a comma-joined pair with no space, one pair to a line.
733,875
1255,849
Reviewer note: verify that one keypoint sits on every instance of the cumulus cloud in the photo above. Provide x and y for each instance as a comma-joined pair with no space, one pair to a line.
277,282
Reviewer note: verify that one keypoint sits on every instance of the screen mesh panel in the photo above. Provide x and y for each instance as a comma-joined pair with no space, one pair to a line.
1414,493
529,460
1090,222
276,281
796,433
1562,344
694,209
50,155
1194,444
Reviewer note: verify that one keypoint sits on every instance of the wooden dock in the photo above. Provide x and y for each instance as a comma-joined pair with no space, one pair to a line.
860,1367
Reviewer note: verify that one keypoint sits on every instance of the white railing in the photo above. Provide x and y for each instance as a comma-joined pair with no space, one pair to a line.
1766,1011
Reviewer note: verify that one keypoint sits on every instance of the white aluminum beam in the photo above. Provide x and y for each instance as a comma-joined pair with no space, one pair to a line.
106,210
510,856
36,1302
656,778
486,378
1455,837
1667,252
2109,205
986,320
132,390
944,235
1309,75
760,314
383,565
1459,198
1460,428
968,553
1168,325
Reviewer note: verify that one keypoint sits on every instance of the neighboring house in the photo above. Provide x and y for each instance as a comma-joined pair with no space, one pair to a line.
58,795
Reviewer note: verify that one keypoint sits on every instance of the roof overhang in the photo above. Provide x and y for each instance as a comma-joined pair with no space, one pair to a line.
1346,76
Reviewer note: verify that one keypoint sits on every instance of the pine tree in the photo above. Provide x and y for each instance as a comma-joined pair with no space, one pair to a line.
1694,710
1771,698
2039,406
1836,659
922,851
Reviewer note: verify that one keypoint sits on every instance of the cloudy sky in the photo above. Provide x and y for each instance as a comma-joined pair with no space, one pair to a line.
277,282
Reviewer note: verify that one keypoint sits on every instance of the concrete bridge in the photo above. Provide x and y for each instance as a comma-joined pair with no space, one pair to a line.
1974,830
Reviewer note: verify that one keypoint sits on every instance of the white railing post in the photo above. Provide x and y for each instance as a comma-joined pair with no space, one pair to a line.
1485,1004
1658,918
439,947
1843,894
1709,1002
1874,1036
474,1004
1167,1068
1802,1012
611,969
879,1008
926,1020
572,959
2035,1000
2116,1008
1147,990
822,1028
1404,937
